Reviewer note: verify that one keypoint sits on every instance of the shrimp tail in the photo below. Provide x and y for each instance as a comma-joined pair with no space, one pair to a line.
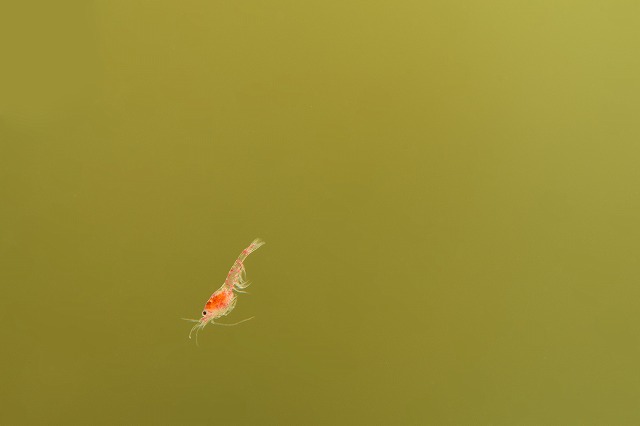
236,278
255,245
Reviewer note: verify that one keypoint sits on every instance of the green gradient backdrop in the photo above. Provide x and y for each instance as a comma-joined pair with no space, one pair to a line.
448,191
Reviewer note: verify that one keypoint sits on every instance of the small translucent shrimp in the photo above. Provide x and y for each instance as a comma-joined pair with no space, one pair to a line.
223,300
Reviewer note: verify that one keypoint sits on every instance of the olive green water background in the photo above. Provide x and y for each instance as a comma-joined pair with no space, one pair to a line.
449,192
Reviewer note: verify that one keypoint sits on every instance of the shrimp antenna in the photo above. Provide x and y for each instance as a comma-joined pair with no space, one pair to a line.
229,325
197,328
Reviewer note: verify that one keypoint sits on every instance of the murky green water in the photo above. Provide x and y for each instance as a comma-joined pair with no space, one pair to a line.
448,192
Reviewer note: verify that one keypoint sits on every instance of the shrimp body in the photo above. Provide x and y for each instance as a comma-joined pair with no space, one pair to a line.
223,300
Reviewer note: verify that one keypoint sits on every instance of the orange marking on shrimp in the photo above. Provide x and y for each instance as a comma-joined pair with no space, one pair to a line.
218,300
223,300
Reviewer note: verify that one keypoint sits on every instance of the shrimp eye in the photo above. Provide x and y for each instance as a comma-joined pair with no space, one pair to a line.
204,312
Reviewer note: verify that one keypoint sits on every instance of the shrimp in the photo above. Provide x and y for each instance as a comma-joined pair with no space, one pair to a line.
223,300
